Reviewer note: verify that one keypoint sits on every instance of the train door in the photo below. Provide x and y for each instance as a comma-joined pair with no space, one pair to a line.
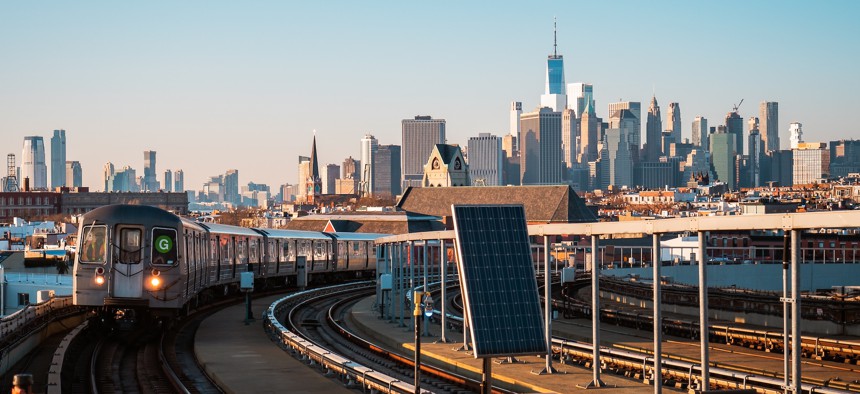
128,267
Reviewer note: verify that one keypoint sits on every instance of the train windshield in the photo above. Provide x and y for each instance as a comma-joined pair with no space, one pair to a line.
164,246
93,244
129,246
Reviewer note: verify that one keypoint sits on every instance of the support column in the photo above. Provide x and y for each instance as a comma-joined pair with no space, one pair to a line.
795,312
786,338
426,278
547,305
443,277
595,317
400,297
703,312
658,316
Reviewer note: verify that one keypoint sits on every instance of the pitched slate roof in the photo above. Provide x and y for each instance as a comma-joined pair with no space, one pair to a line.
447,152
376,222
544,204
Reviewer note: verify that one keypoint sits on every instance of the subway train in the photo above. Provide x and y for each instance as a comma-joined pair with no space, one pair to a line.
137,257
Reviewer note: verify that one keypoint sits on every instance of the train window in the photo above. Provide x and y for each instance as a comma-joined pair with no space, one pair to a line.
226,253
93,244
242,251
164,246
285,251
129,245
252,250
318,248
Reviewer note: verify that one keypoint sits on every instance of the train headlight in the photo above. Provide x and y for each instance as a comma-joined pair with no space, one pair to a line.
155,281
100,276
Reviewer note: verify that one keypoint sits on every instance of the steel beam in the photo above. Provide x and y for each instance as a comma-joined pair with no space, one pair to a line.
795,312
703,312
658,317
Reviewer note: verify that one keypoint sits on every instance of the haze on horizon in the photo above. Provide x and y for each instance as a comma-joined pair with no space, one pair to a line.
213,86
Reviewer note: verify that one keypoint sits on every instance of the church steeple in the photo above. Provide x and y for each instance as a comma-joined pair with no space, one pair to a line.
313,184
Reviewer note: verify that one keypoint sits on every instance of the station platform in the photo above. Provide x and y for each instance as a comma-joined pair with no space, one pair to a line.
242,359
519,376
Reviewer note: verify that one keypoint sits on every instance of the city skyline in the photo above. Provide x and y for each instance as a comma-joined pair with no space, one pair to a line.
213,88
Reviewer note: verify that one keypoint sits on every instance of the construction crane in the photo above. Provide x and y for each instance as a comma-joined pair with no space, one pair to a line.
735,108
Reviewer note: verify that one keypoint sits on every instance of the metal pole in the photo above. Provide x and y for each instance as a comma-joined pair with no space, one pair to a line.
595,316
786,371
658,320
795,313
426,275
547,305
416,299
411,260
487,376
703,312
400,297
443,274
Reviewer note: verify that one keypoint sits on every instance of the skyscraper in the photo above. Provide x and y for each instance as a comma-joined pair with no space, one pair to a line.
635,109
541,154
74,175
653,131
589,131
735,127
369,145
616,158
700,132
33,165
168,180
723,156
332,174
673,122
795,132
150,183
178,181
811,162
583,94
350,169
516,112
58,159
554,92
486,160
108,177
231,187
386,164
569,131
756,156
769,115
419,136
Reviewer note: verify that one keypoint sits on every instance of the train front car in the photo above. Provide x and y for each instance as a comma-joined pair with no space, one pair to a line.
128,258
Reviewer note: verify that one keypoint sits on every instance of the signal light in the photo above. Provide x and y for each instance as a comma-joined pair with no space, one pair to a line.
100,276
155,282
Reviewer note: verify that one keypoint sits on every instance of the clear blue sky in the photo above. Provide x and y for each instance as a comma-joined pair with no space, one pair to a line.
217,85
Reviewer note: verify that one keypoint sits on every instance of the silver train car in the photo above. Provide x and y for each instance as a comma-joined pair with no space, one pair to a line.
144,258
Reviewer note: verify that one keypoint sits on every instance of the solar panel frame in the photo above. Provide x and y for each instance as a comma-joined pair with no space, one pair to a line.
498,280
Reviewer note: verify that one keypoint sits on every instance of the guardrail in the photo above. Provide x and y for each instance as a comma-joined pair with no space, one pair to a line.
17,327
350,370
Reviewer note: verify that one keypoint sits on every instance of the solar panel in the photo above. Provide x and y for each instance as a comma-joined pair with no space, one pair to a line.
498,280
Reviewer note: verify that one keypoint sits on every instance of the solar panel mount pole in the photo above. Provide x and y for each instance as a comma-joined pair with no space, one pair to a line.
595,318
547,307
658,320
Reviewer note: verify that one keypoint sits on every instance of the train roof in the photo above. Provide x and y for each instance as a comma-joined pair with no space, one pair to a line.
298,234
215,228
126,213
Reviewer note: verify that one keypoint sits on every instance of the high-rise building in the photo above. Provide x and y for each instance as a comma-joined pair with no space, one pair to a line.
782,167
811,162
332,174
700,132
58,159
168,180
589,132
554,95
386,164
583,94
509,145
369,145
516,112
419,136
74,175
756,156
723,156
769,115
304,173
635,133
33,165
231,187
569,131
108,177
178,181
735,127
673,122
150,183
653,132
844,158
795,132
541,155
616,160
350,169
486,160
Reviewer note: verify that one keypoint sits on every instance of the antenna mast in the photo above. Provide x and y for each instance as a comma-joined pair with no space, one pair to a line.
554,38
